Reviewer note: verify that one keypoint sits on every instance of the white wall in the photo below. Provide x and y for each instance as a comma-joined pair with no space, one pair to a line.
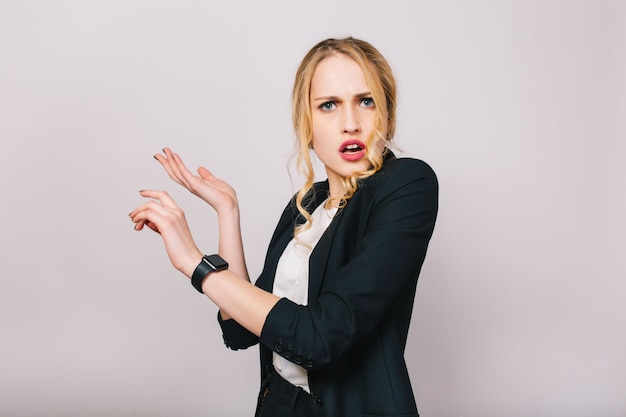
519,106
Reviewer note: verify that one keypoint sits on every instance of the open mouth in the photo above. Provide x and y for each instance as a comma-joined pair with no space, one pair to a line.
352,148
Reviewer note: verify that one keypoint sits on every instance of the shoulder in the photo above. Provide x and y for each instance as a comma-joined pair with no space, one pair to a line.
409,166
398,172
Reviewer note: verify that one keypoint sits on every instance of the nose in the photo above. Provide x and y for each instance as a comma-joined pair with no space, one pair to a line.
351,123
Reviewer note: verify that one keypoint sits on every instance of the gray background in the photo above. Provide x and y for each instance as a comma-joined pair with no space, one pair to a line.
519,106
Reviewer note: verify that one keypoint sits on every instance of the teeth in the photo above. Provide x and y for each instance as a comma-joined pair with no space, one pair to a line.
352,147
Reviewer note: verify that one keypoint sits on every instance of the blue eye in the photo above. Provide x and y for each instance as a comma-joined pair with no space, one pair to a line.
367,102
328,106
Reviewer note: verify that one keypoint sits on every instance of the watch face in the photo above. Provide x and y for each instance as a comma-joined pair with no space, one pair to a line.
216,262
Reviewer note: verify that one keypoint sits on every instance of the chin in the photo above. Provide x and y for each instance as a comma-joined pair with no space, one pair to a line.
357,170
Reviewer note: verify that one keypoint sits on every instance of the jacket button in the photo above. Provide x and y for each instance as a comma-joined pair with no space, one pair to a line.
310,363
317,400
299,359
280,348
288,354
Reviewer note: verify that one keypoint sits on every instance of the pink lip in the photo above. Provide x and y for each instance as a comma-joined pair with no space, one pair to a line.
352,156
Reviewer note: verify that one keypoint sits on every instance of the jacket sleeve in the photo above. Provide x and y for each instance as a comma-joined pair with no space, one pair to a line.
397,222
235,335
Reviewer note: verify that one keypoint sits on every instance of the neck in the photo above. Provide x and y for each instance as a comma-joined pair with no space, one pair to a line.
332,203
336,191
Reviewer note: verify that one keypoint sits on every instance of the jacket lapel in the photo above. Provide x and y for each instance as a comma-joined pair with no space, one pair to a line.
319,257
321,253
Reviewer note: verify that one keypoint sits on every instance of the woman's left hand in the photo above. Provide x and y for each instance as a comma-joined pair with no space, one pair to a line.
165,217
220,195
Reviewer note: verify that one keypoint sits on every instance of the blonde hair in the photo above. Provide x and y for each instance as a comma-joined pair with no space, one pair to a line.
381,83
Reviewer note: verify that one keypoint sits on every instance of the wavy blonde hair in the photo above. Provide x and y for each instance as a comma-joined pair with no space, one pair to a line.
382,86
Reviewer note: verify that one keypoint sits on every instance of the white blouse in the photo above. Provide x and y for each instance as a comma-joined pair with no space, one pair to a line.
292,282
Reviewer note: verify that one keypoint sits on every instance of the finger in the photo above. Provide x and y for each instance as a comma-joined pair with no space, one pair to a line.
153,214
144,205
181,170
185,175
153,227
162,197
192,181
139,225
176,166
145,212
166,163
206,174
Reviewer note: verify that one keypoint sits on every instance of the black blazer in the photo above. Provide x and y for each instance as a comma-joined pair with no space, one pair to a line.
362,277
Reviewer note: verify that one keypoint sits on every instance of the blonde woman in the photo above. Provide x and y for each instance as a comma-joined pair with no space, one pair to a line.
332,305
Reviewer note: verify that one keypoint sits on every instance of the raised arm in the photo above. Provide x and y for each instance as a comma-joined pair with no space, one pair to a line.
219,195
231,289
234,295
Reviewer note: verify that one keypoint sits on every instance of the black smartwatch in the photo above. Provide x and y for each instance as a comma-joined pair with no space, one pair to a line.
208,264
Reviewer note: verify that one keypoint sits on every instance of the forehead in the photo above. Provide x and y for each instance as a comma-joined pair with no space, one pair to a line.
338,74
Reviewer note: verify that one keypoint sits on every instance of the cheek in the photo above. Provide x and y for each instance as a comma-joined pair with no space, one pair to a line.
319,132
315,127
369,121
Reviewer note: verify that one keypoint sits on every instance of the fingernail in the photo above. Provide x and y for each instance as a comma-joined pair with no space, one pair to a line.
154,156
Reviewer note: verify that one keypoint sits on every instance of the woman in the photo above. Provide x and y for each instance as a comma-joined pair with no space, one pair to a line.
332,306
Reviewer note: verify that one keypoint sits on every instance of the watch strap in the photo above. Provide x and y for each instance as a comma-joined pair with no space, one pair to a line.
208,264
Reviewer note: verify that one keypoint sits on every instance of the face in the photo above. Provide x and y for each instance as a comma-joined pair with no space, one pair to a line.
343,116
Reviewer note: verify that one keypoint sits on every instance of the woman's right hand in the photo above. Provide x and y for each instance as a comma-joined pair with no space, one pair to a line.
217,193
165,217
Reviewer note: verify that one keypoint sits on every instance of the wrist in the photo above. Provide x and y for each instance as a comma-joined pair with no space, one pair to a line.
229,214
188,266
207,265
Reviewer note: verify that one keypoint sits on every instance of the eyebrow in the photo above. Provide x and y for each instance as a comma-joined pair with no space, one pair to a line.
335,98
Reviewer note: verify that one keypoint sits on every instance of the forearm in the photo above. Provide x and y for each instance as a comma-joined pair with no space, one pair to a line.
239,299
230,247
